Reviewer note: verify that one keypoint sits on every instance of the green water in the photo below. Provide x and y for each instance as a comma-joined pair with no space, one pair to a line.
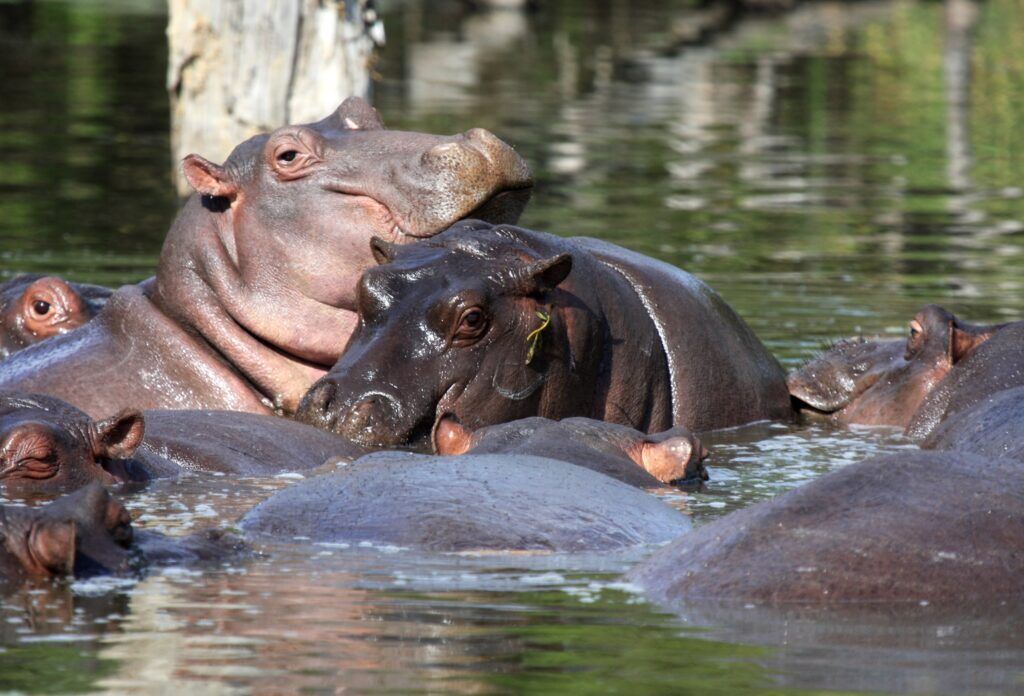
828,171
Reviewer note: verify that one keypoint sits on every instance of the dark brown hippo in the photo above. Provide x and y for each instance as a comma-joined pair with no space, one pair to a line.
48,446
487,502
81,533
884,382
675,456
254,296
497,323
911,527
34,308
993,427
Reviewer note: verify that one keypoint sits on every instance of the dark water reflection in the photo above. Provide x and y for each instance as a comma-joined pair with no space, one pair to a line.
828,171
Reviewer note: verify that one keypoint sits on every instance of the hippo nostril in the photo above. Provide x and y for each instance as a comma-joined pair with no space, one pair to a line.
319,405
369,419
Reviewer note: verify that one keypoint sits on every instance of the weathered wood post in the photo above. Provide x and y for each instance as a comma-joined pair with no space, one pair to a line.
239,67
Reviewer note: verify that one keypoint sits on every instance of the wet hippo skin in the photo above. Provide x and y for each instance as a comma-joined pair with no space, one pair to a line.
675,456
254,296
993,427
911,527
467,503
496,323
48,446
34,308
885,382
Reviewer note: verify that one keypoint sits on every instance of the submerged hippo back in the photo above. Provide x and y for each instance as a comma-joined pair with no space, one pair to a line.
992,428
466,503
710,349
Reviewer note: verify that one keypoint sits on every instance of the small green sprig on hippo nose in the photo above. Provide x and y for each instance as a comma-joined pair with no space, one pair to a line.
533,338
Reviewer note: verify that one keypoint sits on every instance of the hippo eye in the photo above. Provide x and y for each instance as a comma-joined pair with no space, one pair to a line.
288,156
41,307
471,324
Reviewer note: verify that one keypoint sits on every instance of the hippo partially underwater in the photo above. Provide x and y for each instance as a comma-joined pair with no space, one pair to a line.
254,296
34,308
495,323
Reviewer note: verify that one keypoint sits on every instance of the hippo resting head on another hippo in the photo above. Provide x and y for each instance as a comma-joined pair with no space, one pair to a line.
911,527
48,446
254,296
492,324
468,503
82,533
884,382
675,456
34,308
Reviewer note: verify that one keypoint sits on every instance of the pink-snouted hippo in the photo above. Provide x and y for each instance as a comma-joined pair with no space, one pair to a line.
885,382
497,323
34,308
936,527
673,457
48,446
254,296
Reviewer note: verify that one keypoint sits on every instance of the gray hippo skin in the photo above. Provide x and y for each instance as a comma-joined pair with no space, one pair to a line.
254,295
995,365
675,456
993,427
912,527
885,382
48,446
497,323
34,308
467,503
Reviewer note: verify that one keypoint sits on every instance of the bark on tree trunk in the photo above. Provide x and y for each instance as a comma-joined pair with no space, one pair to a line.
239,67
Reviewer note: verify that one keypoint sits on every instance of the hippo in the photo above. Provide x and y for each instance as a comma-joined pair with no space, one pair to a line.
467,503
993,427
884,382
497,323
911,527
675,456
35,307
85,532
48,446
254,295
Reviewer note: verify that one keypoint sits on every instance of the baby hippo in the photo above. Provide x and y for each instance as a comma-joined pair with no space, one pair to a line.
49,446
884,382
85,532
34,308
470,503
941,527
646,461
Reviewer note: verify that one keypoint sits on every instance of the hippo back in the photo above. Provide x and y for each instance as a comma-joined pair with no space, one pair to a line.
910,527
468,503
710,349
993,366
992,428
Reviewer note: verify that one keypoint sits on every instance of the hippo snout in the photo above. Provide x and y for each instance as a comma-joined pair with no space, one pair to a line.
513,170
369,420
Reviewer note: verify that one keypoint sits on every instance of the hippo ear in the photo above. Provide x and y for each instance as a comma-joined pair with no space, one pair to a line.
119,436
209,179
51,546
382,250
546,274
675,455
451,437
356,113
962,342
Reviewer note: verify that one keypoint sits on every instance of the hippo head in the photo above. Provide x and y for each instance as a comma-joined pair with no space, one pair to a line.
34,308
47,445
84,532
674,456
884,382
279,234
460,324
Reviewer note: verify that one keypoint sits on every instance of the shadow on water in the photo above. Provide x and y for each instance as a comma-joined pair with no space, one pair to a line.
828,170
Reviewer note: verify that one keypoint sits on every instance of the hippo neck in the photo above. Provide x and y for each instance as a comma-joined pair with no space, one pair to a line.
260,334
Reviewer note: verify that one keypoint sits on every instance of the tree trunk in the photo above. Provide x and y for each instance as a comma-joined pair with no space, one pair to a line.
241,67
